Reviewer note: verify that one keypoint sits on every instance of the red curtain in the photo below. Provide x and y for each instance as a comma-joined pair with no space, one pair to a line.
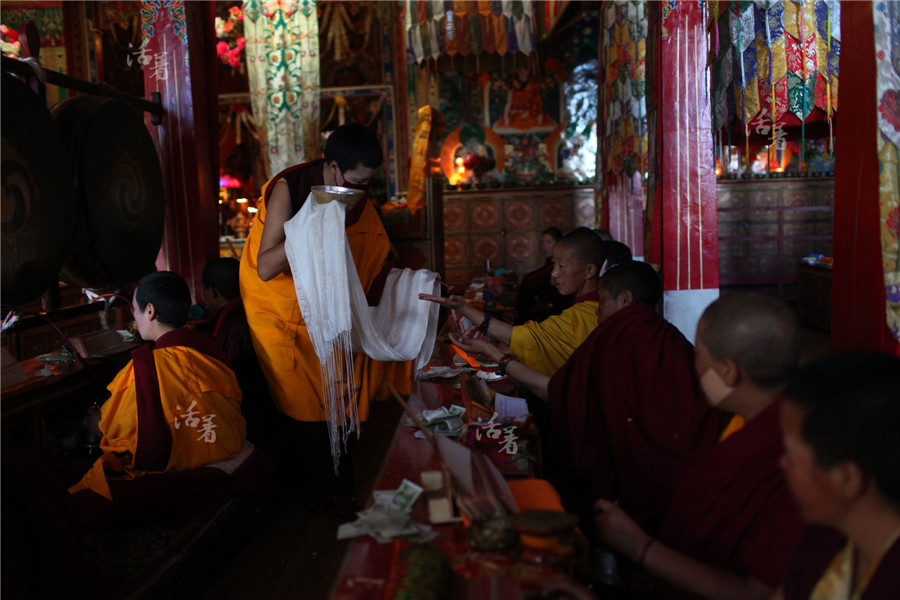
858,318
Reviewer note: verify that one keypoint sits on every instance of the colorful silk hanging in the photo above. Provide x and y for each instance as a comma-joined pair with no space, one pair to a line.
624,141
887,52
282,44
773,65
437,27
625,132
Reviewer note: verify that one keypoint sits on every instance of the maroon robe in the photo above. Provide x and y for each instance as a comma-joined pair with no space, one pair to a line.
156,442
628,408
815,551
733,509
232,333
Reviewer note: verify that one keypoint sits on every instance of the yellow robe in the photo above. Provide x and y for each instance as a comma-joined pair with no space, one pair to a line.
547,345
279,334
201,404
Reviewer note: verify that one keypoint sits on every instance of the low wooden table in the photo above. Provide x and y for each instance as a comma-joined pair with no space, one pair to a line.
370,569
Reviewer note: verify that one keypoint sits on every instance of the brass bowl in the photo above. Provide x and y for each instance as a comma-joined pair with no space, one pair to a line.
326,193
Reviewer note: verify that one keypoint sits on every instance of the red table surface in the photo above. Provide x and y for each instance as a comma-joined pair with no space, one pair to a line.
366,572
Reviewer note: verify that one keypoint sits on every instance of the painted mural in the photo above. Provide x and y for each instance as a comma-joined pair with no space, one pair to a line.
517,119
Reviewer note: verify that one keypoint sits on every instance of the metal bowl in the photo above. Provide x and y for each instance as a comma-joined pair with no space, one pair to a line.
326,193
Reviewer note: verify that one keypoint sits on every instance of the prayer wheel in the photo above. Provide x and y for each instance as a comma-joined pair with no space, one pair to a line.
38,197
118,191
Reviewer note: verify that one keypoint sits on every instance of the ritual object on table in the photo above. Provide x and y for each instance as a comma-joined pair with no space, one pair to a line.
492,534
439,496
478,486
547,536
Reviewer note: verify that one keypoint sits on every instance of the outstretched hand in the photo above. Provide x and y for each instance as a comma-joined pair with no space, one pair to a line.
477,346
453,302
619,530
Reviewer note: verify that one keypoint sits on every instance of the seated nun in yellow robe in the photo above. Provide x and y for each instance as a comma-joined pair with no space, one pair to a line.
175,406
578,259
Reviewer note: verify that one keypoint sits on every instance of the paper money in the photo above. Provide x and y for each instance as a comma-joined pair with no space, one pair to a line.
406,495
448,421
389,517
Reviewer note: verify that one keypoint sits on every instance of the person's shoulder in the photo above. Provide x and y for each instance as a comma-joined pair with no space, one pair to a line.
810,557
191,341
643,322
293,170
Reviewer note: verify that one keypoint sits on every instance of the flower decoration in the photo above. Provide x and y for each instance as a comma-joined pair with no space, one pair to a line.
230,33
478,164
9,42
890,108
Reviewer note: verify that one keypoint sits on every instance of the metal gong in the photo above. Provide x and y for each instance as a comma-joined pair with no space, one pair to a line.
118,188
38,196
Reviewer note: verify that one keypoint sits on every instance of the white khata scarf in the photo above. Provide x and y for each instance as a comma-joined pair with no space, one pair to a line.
339,319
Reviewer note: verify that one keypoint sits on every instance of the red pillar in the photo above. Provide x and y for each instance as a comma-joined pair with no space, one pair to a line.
179,63
684,200
858,318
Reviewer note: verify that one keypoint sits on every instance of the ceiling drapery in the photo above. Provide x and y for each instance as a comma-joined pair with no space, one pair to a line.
774,58
623,56
436,27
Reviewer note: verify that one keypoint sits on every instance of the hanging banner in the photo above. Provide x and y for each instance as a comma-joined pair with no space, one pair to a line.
282,42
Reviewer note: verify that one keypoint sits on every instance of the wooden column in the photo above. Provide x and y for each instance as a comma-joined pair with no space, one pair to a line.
858,300
684,202
179,63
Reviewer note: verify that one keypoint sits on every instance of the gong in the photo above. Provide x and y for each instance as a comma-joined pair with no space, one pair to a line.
38,196
118,191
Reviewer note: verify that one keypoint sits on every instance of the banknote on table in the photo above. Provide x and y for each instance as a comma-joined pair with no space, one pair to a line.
444,420
389,517
406,495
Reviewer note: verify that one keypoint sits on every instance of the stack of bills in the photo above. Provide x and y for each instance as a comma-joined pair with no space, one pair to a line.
389,517
444,420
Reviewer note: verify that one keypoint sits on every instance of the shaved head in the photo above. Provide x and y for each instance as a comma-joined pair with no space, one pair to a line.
759,333
586,247
636,277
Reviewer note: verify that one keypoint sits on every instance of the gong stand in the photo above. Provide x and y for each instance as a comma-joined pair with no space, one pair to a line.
33,70
29,69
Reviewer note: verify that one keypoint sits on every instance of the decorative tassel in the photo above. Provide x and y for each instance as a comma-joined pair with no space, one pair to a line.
747,144
729,146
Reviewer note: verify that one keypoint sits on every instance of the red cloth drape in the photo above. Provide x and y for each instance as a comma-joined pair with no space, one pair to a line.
858,317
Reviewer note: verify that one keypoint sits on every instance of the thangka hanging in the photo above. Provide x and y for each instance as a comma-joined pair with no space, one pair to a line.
624,113
436,27
282,40
793,44
623,58
887,67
